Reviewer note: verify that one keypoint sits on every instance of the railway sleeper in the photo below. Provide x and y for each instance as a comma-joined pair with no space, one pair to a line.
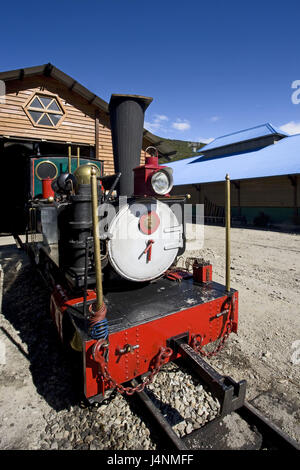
230,394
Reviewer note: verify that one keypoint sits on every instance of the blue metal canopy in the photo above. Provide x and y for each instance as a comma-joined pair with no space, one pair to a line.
241,136
281,158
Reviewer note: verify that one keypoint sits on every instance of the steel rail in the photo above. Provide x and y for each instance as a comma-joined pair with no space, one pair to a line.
159,420
271,433
18,241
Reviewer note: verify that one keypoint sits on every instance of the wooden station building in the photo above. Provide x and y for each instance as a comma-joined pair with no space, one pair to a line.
45,111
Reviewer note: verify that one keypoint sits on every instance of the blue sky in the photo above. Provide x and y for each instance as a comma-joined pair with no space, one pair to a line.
211,67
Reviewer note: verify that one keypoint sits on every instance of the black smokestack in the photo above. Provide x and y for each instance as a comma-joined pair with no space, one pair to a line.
127,123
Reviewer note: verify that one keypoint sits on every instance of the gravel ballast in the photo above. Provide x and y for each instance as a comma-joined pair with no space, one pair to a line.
183,401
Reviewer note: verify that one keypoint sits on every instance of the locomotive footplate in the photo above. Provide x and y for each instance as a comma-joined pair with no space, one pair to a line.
131,304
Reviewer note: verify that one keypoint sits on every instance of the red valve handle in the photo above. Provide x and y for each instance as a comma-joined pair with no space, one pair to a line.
148,250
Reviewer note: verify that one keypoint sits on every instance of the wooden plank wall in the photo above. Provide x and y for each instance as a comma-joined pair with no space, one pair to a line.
270,192
276,191
214,192
77,127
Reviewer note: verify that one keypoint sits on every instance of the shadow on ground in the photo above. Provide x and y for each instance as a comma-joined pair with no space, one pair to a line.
55,372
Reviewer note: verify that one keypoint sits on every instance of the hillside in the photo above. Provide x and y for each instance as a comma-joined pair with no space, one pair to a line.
184,149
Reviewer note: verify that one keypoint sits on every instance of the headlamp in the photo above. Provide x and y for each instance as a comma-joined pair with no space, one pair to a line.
162,181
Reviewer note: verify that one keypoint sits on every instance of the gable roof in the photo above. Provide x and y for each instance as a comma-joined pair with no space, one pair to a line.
281,158
241,136
50,70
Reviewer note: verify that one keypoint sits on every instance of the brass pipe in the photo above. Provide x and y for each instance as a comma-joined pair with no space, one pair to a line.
70,159
97,253
78,157
227,225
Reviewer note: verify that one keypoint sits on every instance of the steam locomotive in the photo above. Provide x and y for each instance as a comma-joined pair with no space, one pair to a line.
108,247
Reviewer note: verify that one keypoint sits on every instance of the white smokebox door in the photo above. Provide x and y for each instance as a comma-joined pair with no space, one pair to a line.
145,240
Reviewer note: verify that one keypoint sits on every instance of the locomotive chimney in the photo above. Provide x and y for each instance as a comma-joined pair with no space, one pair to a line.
127,122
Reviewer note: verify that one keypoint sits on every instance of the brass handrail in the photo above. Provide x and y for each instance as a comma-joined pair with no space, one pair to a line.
97,254
227,225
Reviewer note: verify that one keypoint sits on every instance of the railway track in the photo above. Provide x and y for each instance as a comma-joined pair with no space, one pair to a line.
214,435
238,426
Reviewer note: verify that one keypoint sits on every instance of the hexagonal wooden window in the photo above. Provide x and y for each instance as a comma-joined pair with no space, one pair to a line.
44,110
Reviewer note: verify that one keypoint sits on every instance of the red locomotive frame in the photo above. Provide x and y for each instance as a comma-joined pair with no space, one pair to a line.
132,351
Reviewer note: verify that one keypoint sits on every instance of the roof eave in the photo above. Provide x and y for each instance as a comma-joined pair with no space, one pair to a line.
202,150
162,147
50,70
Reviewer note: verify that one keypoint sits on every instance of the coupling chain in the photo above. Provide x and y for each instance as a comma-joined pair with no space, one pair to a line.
196,343
164,353
197,340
